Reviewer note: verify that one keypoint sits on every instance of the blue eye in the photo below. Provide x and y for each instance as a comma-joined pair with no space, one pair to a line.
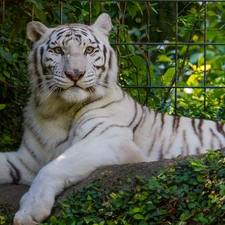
89,50
58,50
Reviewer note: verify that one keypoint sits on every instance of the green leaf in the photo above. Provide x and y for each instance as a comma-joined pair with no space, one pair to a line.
164,58
192,205
7,56
37,3
113,195
2,106
136,210
132,9
222,190
138,60
138,216
40,14
168,75
6,73
15,55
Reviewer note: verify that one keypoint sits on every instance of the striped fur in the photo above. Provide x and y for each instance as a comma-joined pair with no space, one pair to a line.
78,118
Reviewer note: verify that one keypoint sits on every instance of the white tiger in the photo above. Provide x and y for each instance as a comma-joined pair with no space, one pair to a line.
78,118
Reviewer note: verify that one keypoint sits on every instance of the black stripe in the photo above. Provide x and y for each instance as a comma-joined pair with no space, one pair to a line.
111,126
101,107
106,80
161,155
198,134
193,125
113,102
65,41
84,33
62,141
34,61
49,59
44,71
153,143
60,33
185,143
104,52
85,119
176,123
103,66
155,117
30,151
220,127
14,173
82,106
34,133
48,42
162,122
135,114
214,135
97,59
64,28
110,59
142,119
29,169
96,40
92,130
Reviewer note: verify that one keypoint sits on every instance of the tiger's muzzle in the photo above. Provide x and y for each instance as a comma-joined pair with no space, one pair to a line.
74,75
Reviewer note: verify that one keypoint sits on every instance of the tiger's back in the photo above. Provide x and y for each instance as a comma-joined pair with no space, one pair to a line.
78,118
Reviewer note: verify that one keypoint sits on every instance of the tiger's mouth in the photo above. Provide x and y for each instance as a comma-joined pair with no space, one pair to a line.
72,85
75,88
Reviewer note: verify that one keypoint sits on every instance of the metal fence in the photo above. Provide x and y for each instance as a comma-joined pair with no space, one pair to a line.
169,52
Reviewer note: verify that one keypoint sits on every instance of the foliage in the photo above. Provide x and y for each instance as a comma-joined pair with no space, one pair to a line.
13,77
189,192
144,36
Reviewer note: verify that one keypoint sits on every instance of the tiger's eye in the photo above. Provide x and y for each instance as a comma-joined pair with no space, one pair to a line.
58,50
89,50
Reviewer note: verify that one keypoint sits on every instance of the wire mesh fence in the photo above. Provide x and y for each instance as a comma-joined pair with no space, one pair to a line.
170,53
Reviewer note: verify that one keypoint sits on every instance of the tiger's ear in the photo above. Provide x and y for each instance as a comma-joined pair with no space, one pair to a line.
103,23
35,30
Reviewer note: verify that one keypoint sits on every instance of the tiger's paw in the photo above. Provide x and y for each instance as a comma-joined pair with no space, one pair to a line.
33,210
21,218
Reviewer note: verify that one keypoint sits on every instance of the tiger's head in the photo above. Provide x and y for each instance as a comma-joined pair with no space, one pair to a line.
74,62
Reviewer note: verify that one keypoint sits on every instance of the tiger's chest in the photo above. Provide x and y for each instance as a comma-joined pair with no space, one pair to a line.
59,133
54,134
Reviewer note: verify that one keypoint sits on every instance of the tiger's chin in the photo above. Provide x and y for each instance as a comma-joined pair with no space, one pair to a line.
74,95
79,95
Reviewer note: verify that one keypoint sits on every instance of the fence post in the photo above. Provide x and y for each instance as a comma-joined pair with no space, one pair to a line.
3,11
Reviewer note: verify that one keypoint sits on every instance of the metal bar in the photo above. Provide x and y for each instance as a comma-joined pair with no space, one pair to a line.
176,61
162,43
90,11
3,11
61,12
32,12
204,51
148,71
213,87
151,1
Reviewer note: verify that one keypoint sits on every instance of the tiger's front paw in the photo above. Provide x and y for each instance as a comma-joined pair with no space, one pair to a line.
22,218
33,210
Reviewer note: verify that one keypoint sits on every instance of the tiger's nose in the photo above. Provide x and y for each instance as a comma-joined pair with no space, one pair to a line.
74,75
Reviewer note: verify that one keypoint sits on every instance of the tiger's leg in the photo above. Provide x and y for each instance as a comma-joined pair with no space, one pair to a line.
69,168
18,167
